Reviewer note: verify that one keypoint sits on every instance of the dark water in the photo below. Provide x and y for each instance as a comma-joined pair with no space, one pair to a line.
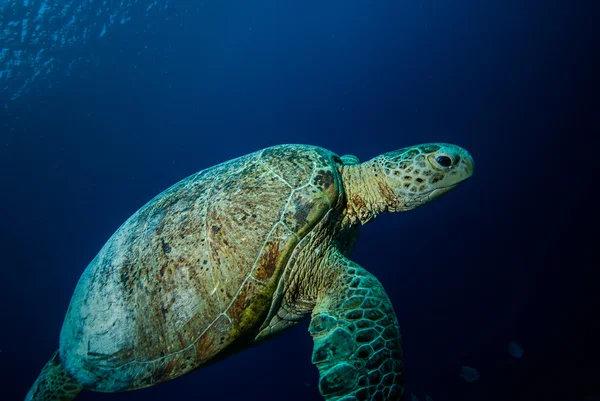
509,256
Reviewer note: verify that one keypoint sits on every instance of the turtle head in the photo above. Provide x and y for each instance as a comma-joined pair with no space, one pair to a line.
417,175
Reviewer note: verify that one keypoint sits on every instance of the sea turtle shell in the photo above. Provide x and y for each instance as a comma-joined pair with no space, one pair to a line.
194,271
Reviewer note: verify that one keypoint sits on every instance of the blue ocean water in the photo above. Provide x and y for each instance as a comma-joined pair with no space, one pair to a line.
105,103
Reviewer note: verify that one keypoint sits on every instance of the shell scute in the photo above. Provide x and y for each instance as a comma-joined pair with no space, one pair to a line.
292,163
213,339
235,244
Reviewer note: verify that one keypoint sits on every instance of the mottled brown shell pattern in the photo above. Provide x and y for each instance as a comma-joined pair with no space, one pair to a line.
195,269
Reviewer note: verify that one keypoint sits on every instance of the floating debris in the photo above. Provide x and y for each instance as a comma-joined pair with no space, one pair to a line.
469,374
515,350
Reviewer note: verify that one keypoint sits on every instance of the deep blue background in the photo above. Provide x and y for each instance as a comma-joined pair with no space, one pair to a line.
508,256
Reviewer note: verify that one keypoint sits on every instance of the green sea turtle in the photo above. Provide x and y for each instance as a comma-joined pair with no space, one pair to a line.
237,253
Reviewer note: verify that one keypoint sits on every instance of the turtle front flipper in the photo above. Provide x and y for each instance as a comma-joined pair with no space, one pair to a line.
357,338
54,383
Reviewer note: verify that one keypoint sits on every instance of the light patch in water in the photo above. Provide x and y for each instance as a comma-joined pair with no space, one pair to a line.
38,36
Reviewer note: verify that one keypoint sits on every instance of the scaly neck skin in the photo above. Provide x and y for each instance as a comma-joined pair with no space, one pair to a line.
367,193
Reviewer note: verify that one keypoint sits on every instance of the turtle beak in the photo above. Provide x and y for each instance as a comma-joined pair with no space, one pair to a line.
436,193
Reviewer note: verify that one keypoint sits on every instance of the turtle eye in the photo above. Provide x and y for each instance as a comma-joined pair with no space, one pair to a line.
443,161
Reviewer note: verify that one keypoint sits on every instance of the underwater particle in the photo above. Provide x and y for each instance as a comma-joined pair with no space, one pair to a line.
515,350
413,397
469,374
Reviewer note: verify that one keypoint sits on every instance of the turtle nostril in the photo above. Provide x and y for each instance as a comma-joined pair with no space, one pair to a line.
443,161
